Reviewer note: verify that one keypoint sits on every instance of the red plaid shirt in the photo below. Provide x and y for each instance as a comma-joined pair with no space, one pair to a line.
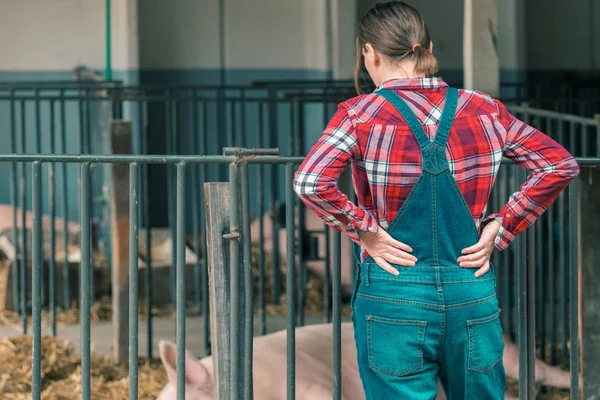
368,132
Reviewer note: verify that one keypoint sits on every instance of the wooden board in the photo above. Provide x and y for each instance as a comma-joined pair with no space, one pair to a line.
217,223
121,134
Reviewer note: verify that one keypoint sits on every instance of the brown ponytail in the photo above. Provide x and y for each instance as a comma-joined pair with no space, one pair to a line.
397,31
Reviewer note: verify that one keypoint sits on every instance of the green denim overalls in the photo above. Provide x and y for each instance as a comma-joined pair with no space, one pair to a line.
435,319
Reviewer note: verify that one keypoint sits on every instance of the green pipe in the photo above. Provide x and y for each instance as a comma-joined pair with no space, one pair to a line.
108,67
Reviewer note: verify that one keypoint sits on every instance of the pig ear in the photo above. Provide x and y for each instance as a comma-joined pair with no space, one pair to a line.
196,373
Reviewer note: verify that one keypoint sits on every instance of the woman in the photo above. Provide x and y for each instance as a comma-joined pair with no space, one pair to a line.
424,159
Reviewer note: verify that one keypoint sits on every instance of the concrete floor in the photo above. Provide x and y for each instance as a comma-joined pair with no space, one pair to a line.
163,329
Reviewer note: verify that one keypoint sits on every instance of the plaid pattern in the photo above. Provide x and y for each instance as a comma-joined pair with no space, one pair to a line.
368,132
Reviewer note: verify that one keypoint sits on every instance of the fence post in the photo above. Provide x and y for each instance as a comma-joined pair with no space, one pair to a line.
217,202
121,135
597,118
589,291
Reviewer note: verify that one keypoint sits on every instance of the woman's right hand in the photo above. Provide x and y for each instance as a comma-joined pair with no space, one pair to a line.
385,250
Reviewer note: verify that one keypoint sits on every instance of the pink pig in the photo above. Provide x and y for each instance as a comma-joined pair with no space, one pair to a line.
314,360
314,366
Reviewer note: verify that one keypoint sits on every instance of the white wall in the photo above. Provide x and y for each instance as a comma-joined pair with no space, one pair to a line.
276,33
259,34
60,34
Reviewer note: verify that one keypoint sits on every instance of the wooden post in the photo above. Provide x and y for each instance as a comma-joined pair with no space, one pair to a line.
589,290
121,135
217,223
480,49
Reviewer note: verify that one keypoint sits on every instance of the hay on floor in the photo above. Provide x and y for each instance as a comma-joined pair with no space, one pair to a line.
61,373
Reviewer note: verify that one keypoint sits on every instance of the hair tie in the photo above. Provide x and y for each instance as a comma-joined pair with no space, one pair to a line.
415,46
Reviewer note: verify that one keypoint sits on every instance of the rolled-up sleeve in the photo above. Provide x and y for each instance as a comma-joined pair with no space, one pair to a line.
551,169
316,179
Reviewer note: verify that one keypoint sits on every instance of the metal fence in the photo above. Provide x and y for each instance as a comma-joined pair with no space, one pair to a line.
266,115
526,258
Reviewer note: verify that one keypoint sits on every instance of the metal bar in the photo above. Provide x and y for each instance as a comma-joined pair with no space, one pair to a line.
172,138
327,278
117,97
180,275
170,199
196,208
134,182
244,138
38,149
573,193
65,205
261,228
302,290
597,130
584,141
52,200
203,178
503,183
550,114
540,292
522,322
572,142
88,127
352,196
290,282
14,199
221,123
232,123
337,315
248,284
36,282
148,277
145,211
234,379
23,273
84,296
562,312
298,150
275,257
81,126
530,316
176,159
551,286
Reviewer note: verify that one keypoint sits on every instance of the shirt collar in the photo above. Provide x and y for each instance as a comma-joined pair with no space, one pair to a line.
413,83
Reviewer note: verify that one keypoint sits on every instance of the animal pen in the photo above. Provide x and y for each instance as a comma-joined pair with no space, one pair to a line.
229,156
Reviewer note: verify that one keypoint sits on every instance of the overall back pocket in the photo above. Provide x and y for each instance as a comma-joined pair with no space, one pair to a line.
395,345
485,343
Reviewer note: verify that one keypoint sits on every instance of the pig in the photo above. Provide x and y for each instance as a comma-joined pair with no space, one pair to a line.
314,366
314,360
312,223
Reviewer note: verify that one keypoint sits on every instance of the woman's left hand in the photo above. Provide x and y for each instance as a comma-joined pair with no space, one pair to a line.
478,255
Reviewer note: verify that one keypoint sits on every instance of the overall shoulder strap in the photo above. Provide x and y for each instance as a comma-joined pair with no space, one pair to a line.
447,118
410,117
415,126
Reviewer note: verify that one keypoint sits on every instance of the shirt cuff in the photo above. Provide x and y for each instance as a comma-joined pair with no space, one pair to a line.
504,238
368,224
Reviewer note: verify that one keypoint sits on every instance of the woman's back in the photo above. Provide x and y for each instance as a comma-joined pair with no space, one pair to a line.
368,131
424,159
